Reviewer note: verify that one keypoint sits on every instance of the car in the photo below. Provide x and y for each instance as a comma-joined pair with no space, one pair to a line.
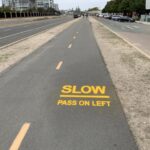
75,16
107,16
101,15
126,19
116,17
97,15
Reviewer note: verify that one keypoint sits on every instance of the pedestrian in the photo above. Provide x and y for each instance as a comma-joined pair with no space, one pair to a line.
83,15
87,15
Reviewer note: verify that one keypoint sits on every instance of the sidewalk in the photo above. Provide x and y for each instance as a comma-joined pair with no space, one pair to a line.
143,22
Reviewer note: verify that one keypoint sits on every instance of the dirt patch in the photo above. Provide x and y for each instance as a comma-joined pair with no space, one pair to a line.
130,72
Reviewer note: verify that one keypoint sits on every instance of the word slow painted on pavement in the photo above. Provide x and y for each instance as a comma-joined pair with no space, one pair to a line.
86,95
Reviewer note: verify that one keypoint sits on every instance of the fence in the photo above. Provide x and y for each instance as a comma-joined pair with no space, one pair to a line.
24,14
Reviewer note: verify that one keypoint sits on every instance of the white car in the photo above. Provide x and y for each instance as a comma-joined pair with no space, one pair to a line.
101,15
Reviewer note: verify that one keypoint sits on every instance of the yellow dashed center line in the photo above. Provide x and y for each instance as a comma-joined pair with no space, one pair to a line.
59,65
70,45
19,138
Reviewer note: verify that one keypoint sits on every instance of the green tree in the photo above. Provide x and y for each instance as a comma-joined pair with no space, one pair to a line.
5,9
125,6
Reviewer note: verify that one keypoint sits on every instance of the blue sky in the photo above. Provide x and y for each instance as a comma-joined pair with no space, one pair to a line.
83,4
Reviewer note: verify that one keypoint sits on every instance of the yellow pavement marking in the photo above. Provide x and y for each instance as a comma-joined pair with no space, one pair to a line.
19,138
74,37
59,65
85,96
70,45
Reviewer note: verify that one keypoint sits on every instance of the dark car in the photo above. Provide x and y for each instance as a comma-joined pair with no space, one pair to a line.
126,19
75,16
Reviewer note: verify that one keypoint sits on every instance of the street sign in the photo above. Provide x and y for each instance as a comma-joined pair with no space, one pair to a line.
147,4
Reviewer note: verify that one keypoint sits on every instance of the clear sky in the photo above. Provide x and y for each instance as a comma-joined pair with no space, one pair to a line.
83,4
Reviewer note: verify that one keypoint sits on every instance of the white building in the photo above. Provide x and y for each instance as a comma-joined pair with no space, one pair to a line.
56,7
27,4
44,3
147,4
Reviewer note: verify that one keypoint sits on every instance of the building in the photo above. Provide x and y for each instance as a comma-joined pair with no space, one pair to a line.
21,5
93,12
148,4
56,7
44,3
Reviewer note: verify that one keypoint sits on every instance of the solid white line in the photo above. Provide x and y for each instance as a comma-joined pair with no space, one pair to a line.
25,31
138,49
19,138
70,45
59,65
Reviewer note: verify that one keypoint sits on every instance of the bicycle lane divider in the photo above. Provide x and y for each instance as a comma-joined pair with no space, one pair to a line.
19,138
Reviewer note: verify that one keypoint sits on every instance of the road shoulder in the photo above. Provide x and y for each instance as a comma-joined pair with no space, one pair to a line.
129,70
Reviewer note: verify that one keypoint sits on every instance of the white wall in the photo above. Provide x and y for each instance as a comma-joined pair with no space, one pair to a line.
147,4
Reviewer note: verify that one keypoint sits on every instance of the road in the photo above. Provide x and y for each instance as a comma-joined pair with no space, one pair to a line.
62,97
136,33
11,34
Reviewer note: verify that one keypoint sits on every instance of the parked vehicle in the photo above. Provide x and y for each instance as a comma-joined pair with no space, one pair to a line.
101,15
116,17
107,16
126,19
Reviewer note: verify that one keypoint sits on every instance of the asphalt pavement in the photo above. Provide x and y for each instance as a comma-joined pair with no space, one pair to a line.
136,33
61,97
12,34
